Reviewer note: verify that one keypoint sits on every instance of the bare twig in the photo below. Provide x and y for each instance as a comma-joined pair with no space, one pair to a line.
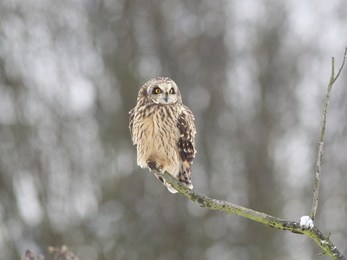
333,78
309,230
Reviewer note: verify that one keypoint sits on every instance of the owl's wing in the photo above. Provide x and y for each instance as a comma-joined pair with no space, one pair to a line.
131,122
186,142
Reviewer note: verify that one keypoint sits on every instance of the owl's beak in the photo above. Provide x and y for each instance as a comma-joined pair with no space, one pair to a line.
166,97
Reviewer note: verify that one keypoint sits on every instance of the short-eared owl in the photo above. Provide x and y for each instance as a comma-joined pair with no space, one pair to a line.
163,130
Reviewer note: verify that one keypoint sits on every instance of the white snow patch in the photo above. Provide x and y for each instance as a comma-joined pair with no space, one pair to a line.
306,222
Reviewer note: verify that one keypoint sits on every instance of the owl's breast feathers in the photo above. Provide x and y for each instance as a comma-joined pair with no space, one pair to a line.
166,135
162,123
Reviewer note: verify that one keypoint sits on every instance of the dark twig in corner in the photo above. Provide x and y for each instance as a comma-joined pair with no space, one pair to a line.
321,140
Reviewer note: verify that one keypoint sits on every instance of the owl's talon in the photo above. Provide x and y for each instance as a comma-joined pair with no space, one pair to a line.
151,164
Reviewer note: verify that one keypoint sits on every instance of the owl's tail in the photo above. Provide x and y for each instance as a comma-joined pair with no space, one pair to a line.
184,175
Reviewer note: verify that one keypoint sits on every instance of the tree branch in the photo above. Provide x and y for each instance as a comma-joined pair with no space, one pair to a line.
321,140
306,225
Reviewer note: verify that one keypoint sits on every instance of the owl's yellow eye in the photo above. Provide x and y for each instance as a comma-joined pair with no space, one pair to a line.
157,90
172,91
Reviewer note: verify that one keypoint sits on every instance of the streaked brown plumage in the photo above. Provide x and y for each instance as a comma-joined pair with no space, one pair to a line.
163,130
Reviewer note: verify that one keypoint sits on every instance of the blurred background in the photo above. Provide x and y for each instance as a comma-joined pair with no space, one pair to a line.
254,73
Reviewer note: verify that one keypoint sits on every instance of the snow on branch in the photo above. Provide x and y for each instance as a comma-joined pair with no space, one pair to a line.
306,222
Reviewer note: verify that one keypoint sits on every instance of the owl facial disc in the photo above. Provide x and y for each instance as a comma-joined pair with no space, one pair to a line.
164,93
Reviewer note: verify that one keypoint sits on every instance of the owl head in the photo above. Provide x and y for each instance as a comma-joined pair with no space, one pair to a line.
162,91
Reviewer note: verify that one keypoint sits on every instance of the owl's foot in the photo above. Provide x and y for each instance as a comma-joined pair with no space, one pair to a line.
153,165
